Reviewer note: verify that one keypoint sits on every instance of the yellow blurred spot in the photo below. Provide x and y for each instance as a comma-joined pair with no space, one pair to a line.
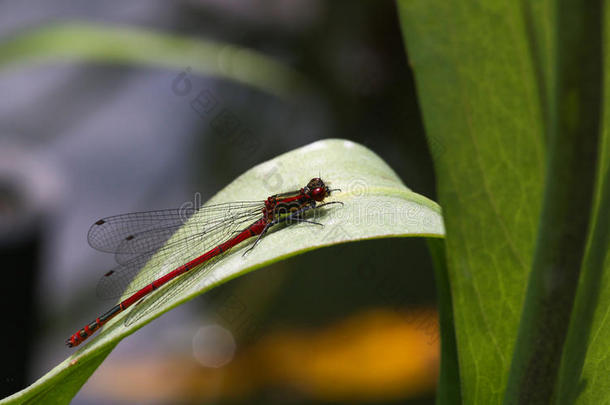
372,355
380,354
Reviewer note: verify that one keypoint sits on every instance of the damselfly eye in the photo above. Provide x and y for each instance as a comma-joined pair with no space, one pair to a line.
314,183
318,193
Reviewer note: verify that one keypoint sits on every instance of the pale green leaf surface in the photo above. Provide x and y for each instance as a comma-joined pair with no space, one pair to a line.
376,205
88,42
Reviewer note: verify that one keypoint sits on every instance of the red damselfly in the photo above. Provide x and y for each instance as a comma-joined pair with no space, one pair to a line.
145,238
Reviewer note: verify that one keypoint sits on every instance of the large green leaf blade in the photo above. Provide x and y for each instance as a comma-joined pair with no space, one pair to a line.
449,388
586,362
484,120
376,205
584,370
573,124
457,52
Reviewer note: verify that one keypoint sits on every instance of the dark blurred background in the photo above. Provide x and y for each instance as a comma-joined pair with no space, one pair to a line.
83,140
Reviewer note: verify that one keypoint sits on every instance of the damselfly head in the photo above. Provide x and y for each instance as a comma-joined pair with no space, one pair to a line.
317,190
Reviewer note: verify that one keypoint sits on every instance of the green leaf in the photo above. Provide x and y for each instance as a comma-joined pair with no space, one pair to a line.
89,42
485,74
448,390
574,127
483,116
376,205
583,377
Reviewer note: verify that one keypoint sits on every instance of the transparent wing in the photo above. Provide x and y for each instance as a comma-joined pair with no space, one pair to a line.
138,241
145,231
